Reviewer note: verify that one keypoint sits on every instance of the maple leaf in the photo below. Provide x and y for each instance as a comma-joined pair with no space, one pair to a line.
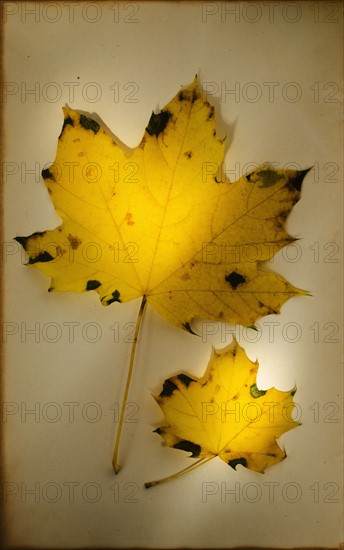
156,224
224,414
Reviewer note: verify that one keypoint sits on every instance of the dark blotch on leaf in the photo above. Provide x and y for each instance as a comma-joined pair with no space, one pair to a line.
268,178
115,297
297,180
186,380
181,96
188,328
168,388
255,392
158,431
47,175
189,447
23,240
157,123
234,463
68,121
235,279
195,96
89,124
92,284
42,257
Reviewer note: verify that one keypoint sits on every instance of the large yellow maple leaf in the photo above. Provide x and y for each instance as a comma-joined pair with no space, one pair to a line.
157,223
224,414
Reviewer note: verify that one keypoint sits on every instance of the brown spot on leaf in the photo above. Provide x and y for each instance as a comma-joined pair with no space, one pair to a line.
75,242
211,114
60,251
129,218
186,277
188,154
195,96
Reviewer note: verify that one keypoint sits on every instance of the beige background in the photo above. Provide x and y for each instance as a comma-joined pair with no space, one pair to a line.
283,62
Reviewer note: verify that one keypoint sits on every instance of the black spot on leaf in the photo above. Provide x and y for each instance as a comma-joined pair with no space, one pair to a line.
195,96
296,181
181,96
186,380
255,392
235,279
158,431
188,328
42,257
89,124
188,154
211,114
168,388
234,463
157,123
68,121
268,178
189,447
23,240
115,297
248,177
47,175
92,284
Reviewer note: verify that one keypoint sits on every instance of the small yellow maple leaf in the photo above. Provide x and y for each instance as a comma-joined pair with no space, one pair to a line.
156,224
224,414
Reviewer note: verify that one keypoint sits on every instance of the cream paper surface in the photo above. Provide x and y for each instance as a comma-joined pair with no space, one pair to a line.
274,73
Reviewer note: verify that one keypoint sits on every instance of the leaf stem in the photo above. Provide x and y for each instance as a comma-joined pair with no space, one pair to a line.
200,462
115,463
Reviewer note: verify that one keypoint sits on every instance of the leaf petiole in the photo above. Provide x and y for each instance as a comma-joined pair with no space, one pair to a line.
200,462
115,463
